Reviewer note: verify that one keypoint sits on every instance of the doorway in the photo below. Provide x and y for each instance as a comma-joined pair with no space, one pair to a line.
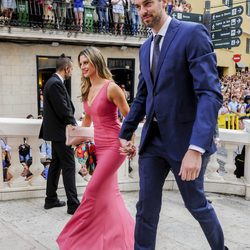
123,71
46,67
221,71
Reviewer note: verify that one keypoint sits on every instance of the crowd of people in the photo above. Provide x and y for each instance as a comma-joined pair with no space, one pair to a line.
178,6
236,94
110,14
70,13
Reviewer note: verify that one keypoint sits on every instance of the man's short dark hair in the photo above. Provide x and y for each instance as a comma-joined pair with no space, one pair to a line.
62,62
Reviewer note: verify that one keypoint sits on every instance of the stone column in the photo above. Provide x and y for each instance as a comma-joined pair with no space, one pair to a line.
16,168
1,169
123,171
247,155
212,167
36,168
230,166
247,166
247,171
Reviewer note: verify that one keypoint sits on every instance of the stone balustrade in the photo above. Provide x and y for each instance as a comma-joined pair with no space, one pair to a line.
228,183
14,130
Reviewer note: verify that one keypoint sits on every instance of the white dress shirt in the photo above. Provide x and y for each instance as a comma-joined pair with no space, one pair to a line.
161,32
60,77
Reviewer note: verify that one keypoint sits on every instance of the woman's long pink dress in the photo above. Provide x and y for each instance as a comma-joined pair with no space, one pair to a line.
102,222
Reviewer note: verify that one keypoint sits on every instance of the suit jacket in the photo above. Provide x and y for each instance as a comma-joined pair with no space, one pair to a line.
185,97
58,110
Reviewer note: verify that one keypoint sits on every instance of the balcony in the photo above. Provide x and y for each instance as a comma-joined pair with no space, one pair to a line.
14,130
34,23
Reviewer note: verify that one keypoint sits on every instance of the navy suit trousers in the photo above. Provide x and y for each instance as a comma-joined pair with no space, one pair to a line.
154,167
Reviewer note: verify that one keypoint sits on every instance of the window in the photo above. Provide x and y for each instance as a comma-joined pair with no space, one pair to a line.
228,3
248,46
123,73
248,7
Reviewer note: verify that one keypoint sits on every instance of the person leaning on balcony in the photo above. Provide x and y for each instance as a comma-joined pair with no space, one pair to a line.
78,11
59,112
48,10
8,6
188,8
36,13
102,13
60,10
118,15
170,6
134,17
178,6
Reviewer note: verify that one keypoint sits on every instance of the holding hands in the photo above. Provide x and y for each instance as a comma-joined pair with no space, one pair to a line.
127,148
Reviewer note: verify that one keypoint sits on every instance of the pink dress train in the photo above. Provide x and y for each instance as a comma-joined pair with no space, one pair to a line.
102,222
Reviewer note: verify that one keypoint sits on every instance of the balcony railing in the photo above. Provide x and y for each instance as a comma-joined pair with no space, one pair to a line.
34,16
232,121
14,130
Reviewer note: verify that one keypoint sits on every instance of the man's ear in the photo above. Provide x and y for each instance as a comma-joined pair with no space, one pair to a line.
164,3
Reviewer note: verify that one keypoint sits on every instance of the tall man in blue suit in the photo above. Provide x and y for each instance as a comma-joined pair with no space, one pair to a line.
179,92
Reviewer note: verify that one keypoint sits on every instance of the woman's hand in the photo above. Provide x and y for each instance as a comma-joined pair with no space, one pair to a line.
127,148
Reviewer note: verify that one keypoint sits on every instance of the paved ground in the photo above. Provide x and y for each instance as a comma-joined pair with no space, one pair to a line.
25,225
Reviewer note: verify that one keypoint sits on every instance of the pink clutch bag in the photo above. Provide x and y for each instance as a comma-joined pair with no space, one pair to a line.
77,134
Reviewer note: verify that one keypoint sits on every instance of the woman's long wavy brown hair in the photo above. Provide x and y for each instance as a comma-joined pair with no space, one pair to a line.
96,59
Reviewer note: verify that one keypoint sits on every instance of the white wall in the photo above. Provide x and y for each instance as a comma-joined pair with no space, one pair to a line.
18,74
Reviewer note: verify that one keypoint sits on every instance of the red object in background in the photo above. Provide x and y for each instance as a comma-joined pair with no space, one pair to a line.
236,57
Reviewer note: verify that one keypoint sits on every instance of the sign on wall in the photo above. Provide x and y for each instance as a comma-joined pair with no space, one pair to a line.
188,17
225,27
236,57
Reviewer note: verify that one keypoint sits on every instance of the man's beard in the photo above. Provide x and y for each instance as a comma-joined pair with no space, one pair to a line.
67,77
155,20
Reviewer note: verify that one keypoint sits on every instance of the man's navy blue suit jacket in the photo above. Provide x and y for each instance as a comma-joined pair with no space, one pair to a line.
185,97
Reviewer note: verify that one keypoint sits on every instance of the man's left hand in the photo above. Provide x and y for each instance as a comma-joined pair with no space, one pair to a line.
127,148
191,165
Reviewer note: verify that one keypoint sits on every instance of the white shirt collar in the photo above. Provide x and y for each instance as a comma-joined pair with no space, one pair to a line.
164,28
161,32
60,77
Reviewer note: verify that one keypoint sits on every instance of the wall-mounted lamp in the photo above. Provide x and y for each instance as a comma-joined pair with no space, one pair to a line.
124,47
55,44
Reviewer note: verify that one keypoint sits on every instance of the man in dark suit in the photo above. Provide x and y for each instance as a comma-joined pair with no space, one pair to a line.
179,92
58,112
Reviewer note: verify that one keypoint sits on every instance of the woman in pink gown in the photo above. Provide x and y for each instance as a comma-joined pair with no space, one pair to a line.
102,222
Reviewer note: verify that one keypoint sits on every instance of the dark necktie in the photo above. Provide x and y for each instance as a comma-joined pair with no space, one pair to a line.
156,55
